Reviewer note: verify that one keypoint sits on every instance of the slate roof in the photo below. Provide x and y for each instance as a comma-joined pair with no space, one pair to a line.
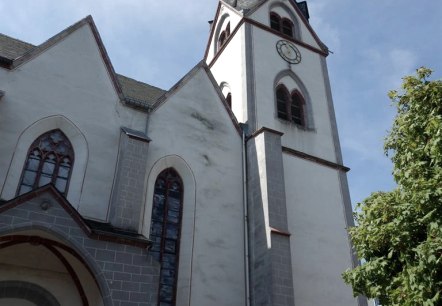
12,48
136,93
243,4
139,91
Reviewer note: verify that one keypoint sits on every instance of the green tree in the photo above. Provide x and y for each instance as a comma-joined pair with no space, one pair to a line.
399,233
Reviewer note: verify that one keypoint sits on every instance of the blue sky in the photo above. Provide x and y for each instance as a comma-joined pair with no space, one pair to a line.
374,44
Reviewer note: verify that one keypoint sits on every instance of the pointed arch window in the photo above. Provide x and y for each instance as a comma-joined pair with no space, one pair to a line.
50,160
275,21
223,36
290,107
287,27
229,99
282,25
165,231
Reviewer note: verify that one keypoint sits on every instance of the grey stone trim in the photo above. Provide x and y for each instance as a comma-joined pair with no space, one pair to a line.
124,273
282,279
251,106
127,194
27,291
315,159
135,134
270,268
309,118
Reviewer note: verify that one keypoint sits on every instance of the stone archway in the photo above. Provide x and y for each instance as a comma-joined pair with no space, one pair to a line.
17,292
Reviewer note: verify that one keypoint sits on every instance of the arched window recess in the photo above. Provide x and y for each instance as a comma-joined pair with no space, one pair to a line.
223,36
165,231
50,159
290,106
282,25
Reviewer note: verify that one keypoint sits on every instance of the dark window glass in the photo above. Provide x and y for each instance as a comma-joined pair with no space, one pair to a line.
228,30
229,99
165,231
282,100
49,160
222,39
287,27
296,108
275,22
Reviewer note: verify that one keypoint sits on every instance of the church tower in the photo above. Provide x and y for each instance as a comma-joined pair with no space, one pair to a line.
271,68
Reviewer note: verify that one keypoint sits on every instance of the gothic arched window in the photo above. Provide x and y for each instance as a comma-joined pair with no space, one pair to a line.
229,99
282,101
223,36
275,22
50,160
282,25
287,27
165,231
290,106
297,108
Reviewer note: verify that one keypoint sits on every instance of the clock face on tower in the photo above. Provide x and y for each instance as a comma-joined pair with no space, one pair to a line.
288,52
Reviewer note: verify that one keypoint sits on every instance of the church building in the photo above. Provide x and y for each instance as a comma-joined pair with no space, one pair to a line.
227,189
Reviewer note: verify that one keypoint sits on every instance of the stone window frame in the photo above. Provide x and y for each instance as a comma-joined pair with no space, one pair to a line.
224,36
293,82
27,291
27,136
285,105
44,153
286,13
222,29
159,248
281,24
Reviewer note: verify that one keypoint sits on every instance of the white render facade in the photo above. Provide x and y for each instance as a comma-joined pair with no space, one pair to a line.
227,189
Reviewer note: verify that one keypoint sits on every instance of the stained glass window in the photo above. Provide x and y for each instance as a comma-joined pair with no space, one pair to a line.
50,160
165,232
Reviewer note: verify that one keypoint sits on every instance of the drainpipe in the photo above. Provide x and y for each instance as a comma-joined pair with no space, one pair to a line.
246,216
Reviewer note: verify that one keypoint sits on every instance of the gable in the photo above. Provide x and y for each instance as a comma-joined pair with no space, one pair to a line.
290,10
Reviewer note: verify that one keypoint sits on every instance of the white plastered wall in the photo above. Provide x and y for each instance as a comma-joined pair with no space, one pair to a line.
226,15
284,9
192,133
68,80
316,140
319,241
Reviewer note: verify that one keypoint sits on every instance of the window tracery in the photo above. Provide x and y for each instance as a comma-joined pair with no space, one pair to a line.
165,232
49,160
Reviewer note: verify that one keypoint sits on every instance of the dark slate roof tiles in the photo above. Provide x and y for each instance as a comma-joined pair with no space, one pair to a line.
12,48
243,4
139,91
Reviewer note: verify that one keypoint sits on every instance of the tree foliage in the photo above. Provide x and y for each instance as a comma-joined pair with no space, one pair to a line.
399,233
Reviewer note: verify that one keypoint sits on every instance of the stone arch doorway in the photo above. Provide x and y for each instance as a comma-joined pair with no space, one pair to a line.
33,260
20,293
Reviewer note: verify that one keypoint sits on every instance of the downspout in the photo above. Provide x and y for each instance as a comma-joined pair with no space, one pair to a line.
246,216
